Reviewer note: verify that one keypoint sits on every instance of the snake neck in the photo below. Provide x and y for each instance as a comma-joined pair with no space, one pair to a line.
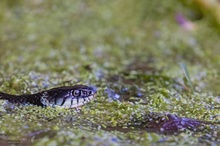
9,97
22,99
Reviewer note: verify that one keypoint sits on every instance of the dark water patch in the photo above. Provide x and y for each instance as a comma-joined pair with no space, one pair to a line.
88,67
125,129
133,87
143,66
124,93
169,124
126,78
125,86
141,79
173,124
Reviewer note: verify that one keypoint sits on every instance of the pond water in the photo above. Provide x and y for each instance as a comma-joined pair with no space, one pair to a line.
131,52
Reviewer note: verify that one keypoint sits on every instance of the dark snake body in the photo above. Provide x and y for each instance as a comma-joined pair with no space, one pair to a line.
65,97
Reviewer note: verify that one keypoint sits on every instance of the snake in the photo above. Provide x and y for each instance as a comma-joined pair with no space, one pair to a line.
64,97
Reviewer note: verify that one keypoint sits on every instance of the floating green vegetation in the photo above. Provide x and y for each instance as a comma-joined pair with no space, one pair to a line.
131,51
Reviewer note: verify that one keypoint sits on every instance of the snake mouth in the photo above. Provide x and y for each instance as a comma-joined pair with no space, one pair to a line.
76,103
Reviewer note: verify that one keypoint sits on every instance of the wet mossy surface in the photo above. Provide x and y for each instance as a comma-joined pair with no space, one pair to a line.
131,52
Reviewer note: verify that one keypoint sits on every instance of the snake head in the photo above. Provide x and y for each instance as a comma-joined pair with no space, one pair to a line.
69,96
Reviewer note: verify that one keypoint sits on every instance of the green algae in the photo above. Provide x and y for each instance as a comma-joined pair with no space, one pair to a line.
113,45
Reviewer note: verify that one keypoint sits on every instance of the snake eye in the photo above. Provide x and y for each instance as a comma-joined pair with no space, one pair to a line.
76,93
89,92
